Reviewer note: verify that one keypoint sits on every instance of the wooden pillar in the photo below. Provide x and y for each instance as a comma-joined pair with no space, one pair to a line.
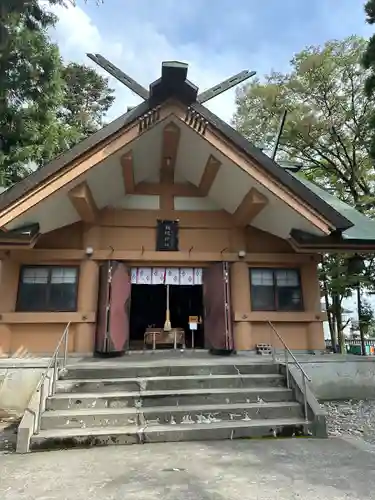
240,298
311,301
9,277
240,291
87,293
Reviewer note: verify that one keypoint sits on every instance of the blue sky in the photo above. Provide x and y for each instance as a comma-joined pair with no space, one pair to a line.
217,38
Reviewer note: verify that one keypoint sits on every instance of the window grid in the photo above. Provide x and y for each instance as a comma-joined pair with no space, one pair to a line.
48,288
34,275
273,285
288,277
63,275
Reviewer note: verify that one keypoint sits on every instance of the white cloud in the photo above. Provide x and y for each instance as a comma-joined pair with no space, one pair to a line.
139,51
138,40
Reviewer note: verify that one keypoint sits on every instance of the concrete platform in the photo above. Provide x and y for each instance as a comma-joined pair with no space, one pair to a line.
166,366
212,381
179,397
107,417
132,434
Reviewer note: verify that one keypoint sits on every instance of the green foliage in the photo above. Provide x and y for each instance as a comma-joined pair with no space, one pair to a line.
370,11
30,88
368,61
45,106
367,318
334,270
86,98
327,125
327,132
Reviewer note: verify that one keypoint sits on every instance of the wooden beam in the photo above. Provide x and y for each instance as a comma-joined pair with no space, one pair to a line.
209,175
279,316
79,166
171,139
128,172
254,169
47,317
47,256
149,188
201,219
84,203
252,204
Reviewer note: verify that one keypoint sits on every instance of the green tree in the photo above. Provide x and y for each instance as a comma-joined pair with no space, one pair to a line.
326,132
369,64
87,97
336,285
45,107
28,12
32,13
367,318
327,125
30,87
366,321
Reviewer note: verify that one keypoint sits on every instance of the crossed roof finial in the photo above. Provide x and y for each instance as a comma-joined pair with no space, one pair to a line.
145,94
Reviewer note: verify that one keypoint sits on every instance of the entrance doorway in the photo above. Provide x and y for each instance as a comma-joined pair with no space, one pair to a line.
131,300
148,310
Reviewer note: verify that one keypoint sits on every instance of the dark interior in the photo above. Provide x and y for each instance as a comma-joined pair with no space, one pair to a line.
185,301
148,307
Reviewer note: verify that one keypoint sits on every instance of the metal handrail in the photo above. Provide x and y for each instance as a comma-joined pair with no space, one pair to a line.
298,364
52,362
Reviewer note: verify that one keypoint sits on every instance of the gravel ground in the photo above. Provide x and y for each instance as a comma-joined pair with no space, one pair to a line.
8,434
351,418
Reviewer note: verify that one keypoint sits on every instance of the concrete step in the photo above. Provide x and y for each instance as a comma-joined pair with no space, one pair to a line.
89,417
123,399
125,369
133,434
171,383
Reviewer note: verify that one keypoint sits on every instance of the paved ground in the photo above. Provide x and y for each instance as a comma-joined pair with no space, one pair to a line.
226,470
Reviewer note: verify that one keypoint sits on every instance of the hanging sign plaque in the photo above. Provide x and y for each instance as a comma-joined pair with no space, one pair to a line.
167,236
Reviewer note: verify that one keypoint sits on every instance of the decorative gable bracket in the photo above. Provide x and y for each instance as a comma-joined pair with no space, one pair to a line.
148,119
196,121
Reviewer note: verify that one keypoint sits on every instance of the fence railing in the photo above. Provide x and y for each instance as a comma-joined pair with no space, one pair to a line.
370,342
287,353
55,364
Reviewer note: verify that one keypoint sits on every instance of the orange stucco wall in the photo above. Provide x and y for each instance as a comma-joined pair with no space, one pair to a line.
129,235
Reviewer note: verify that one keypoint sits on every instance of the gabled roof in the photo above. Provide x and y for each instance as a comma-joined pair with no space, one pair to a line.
275,170
362,231
174,84
362,227
38,176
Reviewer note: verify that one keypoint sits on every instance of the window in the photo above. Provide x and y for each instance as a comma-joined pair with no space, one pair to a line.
275,290
48,289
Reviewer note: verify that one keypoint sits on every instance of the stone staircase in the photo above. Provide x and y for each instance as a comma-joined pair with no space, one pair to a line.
124,404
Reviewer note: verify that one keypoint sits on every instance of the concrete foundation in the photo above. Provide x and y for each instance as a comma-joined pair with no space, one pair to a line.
335,376
18,379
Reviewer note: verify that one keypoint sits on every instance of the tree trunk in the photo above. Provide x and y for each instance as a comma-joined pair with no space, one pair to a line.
360,319
337,313
331,322
332,330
